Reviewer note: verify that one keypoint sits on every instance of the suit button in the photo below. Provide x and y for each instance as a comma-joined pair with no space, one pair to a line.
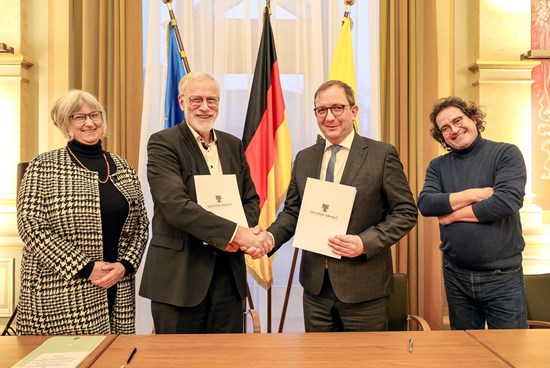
215,252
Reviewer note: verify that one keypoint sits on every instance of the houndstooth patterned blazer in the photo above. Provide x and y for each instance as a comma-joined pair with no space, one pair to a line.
59,220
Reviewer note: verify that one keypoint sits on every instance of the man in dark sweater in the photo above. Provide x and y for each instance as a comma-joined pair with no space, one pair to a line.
476,191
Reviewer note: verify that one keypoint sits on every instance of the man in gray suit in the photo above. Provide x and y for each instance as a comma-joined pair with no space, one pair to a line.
195,273
351,293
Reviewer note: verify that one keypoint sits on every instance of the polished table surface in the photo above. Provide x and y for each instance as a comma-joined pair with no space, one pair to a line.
464,349
520,348
356,349
15,348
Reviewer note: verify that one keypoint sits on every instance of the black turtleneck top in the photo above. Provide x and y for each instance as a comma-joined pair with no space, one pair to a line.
114,207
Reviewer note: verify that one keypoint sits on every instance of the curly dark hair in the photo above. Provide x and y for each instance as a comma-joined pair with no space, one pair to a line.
469,108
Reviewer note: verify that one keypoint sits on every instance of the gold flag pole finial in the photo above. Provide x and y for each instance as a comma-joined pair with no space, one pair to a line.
183,55
168,4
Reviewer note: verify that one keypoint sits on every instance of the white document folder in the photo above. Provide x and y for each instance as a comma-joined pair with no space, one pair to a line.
325,212
219,194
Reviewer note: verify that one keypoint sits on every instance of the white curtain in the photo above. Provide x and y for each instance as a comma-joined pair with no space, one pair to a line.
222,37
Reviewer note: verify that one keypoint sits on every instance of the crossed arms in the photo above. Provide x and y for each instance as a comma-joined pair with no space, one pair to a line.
461,203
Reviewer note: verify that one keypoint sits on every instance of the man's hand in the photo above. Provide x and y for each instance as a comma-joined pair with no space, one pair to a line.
480,194
268,238
346,245
254,242
466,197
464,214
232,248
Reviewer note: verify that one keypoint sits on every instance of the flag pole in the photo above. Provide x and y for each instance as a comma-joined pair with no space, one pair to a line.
269,294
183,55
348,4
288,288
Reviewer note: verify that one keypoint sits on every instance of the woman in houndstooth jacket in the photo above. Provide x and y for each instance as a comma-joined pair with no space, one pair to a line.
81,215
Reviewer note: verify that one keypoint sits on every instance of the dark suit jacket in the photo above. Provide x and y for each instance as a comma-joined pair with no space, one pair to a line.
383,212
179,266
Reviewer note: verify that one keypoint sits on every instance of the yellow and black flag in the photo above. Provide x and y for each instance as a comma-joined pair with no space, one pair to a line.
342,67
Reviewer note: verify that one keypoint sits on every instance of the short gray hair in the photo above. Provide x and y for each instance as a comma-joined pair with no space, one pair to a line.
71,102
195,76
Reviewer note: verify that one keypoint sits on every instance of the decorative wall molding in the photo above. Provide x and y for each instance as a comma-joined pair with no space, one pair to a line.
6,49
9,235
503,71
14,66
536,55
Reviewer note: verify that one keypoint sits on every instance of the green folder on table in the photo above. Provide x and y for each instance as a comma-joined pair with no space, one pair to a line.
60,352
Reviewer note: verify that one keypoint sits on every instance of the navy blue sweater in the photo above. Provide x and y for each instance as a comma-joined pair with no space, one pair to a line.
495,241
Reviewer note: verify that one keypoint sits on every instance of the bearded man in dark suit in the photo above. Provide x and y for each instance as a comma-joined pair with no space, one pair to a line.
351,293
195,273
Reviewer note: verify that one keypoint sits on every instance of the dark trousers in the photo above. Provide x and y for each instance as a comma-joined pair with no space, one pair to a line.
475,297
326,313
221,311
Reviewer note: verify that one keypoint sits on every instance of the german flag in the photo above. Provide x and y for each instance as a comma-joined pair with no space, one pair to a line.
266,139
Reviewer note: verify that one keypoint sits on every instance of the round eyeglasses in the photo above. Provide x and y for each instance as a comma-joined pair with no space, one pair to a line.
456,122
211,101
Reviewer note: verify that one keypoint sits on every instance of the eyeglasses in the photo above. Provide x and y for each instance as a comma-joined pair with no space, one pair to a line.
456,122
336,110
80,118
196,101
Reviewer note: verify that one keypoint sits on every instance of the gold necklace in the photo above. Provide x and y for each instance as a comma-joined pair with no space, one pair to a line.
85,168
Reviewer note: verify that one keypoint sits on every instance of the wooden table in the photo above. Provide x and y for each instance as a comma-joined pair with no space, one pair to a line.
316,350
15,348
520,348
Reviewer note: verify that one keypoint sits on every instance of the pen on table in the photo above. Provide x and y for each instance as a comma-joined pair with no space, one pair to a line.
411,342
131,355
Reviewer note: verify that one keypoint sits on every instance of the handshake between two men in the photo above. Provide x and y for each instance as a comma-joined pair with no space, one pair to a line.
256,242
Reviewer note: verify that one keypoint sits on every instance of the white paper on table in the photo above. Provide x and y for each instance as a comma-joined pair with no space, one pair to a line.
325,212
57,360
60,352
219,194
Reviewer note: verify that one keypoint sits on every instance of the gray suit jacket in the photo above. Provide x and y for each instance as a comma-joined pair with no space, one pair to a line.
179,266
383,212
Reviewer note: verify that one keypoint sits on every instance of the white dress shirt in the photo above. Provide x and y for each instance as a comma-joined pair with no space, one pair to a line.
341,157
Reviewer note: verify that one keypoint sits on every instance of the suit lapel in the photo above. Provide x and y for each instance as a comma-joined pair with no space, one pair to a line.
357,155
189,140
317,160
225,155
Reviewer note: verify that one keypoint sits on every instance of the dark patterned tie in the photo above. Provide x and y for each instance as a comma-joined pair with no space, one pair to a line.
330,168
